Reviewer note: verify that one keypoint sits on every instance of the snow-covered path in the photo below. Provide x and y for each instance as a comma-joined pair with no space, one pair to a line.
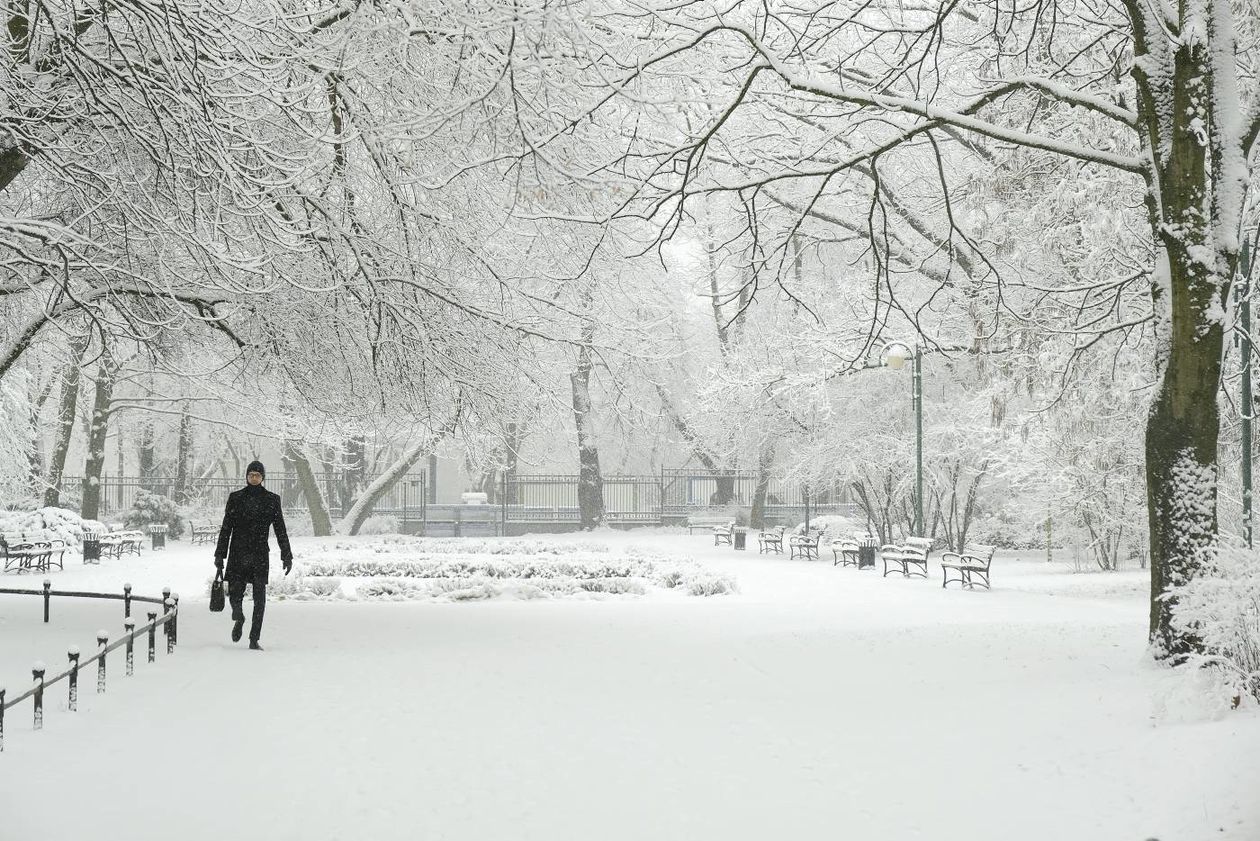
818,701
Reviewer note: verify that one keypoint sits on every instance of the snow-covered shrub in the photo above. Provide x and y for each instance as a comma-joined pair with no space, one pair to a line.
61,523
299,587
380,524
711,585
151,508
620,586
1221,607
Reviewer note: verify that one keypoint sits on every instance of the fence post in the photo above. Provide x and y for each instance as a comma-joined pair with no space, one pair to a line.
166,606
126,601
130,628
1,719
152,636
47,598
37,672
168,627
174,639
102,640
72,653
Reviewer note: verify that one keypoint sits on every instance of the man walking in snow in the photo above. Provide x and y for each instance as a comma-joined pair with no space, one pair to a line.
250,513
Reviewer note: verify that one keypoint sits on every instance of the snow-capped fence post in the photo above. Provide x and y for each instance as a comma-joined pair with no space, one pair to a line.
37,673
169,625
47,598
102,640
130,628
152,636
72,654
174,637
126,601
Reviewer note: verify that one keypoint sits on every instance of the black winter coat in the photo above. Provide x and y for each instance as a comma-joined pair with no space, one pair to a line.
250,513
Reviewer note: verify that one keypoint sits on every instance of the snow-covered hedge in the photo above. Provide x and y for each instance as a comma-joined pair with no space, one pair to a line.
59,522
1222,608
412,545
503,569
480,565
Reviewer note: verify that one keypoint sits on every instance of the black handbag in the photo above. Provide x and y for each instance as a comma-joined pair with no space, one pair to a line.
217,600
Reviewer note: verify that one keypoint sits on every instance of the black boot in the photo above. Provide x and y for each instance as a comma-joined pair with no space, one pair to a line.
254,646
237,624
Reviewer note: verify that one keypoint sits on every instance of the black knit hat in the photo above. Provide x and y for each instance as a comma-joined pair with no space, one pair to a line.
256,467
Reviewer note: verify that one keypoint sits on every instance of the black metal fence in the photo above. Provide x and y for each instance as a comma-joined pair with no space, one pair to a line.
40,682
528,502
405,499
663,499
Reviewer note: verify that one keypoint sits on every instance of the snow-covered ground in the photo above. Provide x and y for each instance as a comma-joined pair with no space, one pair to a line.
817,701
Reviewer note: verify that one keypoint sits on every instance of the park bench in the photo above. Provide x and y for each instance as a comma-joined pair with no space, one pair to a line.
706,522
771,540
32,552
806,545
724,533
910,557
968,565
202,534
847,550
119,543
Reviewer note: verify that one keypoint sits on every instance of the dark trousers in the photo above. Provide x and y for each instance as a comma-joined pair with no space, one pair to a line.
254,574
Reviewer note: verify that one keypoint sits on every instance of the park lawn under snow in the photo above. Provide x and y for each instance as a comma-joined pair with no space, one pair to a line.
814,701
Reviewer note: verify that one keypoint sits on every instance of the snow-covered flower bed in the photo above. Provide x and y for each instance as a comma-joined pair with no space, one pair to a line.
462,570
412,545
59,522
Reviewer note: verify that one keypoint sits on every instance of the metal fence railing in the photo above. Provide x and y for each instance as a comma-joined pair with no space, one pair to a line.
40,682
536,502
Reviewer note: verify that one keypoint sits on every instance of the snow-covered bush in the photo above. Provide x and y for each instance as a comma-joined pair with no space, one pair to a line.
150,508
711,585
1221,608
61,523
368,571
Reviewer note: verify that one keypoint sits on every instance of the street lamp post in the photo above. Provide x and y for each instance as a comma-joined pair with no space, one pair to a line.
895,356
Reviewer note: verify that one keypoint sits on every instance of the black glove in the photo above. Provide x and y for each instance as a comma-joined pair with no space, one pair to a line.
218,564
288,565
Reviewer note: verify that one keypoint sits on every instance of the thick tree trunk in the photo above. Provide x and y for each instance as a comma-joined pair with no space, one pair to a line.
97,430
1194,200
315,504
146,455
353,519
765,462
67,408
183,454
354,471
590,489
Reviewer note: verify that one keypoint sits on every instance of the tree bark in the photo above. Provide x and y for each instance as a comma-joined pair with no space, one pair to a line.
765,462
590,491
97,430
146,455
183,453
1193,204
315,503
353,519
66,411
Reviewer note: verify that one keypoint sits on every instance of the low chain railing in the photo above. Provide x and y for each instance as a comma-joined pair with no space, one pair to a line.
168,621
